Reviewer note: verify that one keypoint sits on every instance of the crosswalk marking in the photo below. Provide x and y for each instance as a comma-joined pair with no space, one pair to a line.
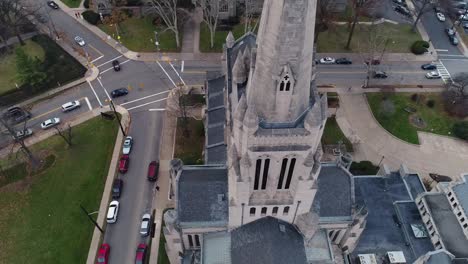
443,71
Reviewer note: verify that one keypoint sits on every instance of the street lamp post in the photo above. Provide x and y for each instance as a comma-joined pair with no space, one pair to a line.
118,118
91,219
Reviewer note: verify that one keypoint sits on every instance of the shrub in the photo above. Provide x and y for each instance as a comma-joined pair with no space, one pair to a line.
86,4
91,16
364,167
460,129
414,97
419,47
430,103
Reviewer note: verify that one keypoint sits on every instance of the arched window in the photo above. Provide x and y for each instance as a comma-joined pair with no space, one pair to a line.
252,211
258,167
282,171
197,240
290,172
266,167
286,210
264,211
285,84
275,210
190,240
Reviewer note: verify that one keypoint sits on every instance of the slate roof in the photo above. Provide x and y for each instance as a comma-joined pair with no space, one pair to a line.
215,149
461,191
217,248
202,196
333,198
414,184
450,231
267,240
439,258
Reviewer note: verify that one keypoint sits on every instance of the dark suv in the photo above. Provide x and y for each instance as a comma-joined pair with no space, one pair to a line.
119,92
379,75
116,65
16,114
117,188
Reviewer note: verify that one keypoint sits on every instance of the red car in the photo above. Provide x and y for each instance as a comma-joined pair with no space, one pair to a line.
153,169
103,254
123,163
140,257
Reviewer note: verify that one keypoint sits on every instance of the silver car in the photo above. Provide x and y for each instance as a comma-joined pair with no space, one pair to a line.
50,123
145,226
80,41
127,145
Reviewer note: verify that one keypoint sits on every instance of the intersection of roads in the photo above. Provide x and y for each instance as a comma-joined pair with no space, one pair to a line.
149,84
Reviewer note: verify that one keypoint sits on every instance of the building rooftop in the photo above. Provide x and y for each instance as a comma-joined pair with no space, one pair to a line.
202,196
215,149
414,184
217,248
318,250
267,240
461,191
450,231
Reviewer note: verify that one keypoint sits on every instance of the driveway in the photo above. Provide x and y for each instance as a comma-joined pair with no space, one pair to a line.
436,154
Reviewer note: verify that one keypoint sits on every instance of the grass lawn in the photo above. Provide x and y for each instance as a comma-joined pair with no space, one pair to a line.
335,39
436,119
72,3
8,64
137,34
332,134
189,149
162,254
220,37
40,219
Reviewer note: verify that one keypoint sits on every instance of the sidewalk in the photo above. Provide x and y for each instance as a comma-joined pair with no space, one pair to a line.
14,40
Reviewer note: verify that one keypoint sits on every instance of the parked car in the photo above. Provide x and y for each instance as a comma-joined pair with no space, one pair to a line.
123,163
379,75
140,257
153,170
16,115
402,10
117,187
465,25
450,31
145,227
23,133
127,145
428,66
400,2
119,92
440,17
433,75
50,123
437,9
80,41
112,212
373,62
343,61
103,254
327,60
70,106
453,40
463,17
116,65
52,4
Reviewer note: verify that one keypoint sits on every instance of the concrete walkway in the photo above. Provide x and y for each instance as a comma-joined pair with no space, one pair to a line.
14,40
435,154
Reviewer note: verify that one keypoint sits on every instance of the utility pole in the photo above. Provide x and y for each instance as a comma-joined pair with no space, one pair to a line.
118,118
91,219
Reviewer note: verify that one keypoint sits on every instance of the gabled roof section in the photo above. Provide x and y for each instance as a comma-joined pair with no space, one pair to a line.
461,191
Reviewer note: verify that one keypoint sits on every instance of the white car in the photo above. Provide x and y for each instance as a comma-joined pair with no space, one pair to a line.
22,134
327,60
127,145
145,226
112,212
80,41
50,123
441,17
70,106
433,75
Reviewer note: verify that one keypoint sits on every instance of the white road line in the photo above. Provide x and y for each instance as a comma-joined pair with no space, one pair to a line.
95,94
89,104
109,61
454,60
143,98
106,70
98,58
444,73
99,80
138,106
157,110
451,55
441,50
172,66
175,86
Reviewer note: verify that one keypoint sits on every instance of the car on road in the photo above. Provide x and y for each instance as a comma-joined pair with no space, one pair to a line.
123,163
112,212
52,4
23,133
50,123
117,187
103,254
440,17
70,106
153,169
119,92
140,257
450,31
379,75
127,145
145,226
116,65
373,62
16,115
428,66
343,61
402,10
453,40
327,60
433,75
80,41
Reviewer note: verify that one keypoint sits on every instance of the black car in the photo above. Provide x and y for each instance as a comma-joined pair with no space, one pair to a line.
453,40
116,65
52,4
379,75
117,188
16,114
343,61
428,66
119,92
402,10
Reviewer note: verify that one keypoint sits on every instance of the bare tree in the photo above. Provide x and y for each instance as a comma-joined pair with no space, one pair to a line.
248,16
456,96
66,134
423,8
325,16
14,15
210,16
360,8
170,13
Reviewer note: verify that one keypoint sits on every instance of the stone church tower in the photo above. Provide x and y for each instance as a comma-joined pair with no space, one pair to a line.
277,119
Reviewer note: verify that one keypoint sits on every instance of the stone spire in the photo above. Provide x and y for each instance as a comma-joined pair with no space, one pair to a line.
238,70
230,40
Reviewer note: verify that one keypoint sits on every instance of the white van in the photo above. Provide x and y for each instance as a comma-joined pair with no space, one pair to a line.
112,212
